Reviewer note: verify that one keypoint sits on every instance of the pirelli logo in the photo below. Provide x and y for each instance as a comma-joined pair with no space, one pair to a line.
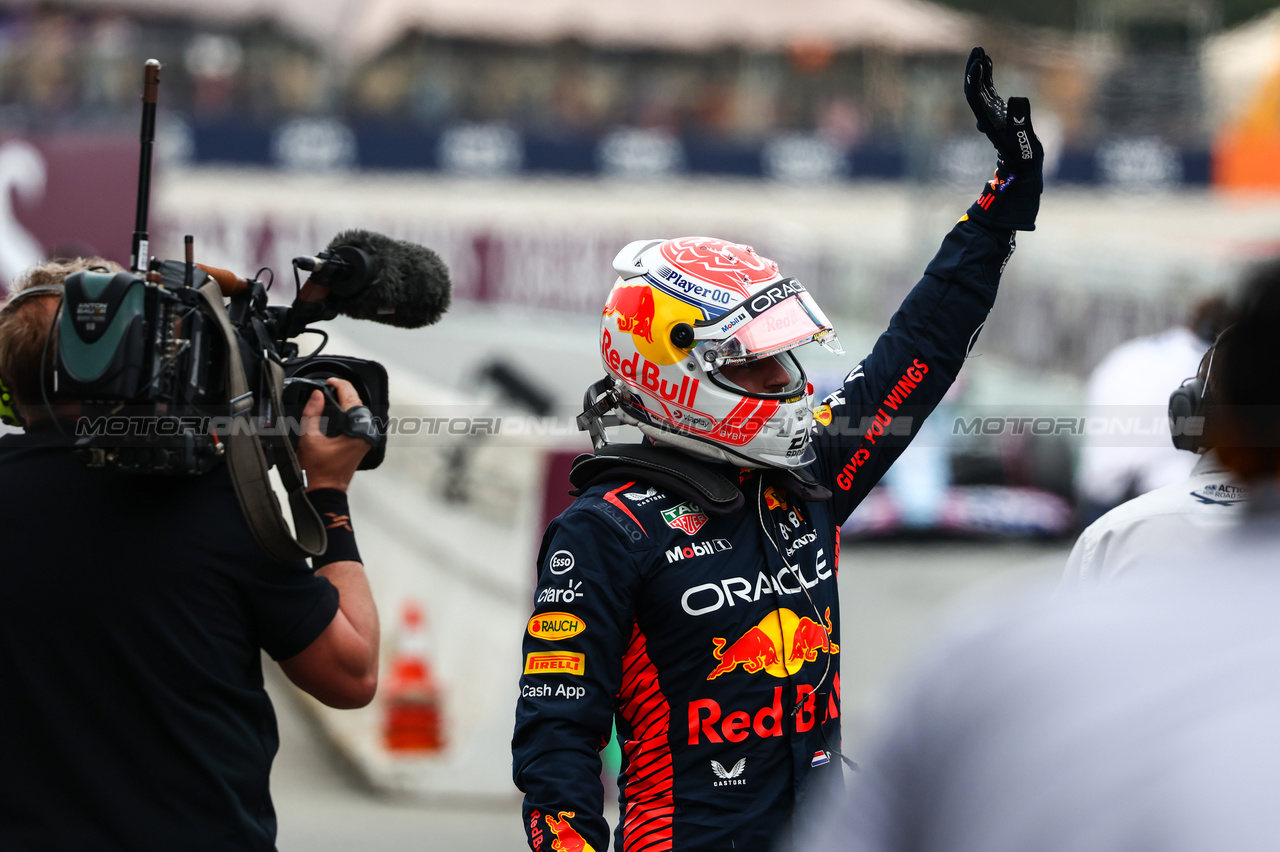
555,662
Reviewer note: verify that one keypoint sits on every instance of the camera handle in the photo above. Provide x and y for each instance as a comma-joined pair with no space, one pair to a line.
247,462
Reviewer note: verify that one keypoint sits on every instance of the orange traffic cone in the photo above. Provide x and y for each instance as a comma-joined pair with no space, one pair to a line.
412,703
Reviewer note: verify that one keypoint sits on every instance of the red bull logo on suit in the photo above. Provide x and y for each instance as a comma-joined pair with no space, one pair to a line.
708,721
567,837
780,644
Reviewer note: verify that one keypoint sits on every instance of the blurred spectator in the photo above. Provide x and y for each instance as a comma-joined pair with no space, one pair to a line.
110,71
1139,718
213,61
44,66
1132,385
840,122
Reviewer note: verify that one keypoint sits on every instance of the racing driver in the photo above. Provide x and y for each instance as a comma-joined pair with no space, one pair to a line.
688,595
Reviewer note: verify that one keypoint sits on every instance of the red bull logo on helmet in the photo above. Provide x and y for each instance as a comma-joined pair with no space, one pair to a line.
642,373
567,838
633,305
780,644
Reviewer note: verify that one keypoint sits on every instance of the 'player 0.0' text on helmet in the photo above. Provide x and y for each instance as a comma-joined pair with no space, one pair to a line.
682,310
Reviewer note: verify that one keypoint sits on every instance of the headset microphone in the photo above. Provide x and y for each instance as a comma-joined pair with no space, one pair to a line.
1189,402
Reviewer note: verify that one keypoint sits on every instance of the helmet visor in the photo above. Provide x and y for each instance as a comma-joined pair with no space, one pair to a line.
783,317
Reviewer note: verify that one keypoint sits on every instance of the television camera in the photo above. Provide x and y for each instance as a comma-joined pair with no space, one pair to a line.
174,380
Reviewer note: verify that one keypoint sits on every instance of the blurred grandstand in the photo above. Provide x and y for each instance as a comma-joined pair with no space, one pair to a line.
812,91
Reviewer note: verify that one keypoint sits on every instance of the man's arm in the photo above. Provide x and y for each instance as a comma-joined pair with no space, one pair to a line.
340,668
863,427
573,672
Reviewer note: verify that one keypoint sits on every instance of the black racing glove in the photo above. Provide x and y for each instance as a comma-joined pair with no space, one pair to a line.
1011,198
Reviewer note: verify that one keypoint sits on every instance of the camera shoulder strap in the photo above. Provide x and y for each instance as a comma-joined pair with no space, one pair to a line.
247,462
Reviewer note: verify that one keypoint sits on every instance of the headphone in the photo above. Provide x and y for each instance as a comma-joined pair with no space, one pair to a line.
8,414
1190,400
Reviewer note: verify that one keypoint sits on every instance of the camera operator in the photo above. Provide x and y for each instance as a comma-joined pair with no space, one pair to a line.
138,607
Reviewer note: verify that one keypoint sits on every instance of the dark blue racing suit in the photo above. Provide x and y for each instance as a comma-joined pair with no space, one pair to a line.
714,640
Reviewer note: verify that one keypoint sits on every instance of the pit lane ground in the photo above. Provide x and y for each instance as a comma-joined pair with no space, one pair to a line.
892,596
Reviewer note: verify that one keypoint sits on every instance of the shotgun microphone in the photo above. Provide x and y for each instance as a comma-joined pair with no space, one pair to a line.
366,275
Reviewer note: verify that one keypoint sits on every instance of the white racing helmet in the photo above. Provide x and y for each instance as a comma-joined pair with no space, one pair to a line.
680,311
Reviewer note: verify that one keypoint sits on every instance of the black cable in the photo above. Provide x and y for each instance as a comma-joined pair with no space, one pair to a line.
44,362
795,572
302,359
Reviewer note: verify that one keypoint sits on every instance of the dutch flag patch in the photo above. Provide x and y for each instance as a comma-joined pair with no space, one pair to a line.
821,758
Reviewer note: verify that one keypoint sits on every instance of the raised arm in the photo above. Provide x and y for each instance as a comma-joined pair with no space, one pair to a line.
864,426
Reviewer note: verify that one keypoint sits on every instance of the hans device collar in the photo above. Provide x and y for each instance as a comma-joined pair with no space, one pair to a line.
684,476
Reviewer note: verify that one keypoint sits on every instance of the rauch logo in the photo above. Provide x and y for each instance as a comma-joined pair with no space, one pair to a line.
554,626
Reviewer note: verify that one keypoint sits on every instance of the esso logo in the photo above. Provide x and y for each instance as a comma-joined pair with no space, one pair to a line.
561,562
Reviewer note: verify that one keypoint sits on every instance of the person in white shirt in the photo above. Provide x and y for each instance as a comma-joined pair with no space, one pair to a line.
1188,512
1199,507
1133,381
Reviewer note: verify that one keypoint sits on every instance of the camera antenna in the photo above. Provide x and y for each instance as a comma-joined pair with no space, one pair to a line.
141,249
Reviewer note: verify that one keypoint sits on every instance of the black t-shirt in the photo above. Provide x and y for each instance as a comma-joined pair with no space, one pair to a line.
131,698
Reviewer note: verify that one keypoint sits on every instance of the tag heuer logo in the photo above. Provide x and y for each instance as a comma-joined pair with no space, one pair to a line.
686,516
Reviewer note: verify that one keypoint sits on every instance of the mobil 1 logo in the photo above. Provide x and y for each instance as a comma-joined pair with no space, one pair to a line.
698,548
